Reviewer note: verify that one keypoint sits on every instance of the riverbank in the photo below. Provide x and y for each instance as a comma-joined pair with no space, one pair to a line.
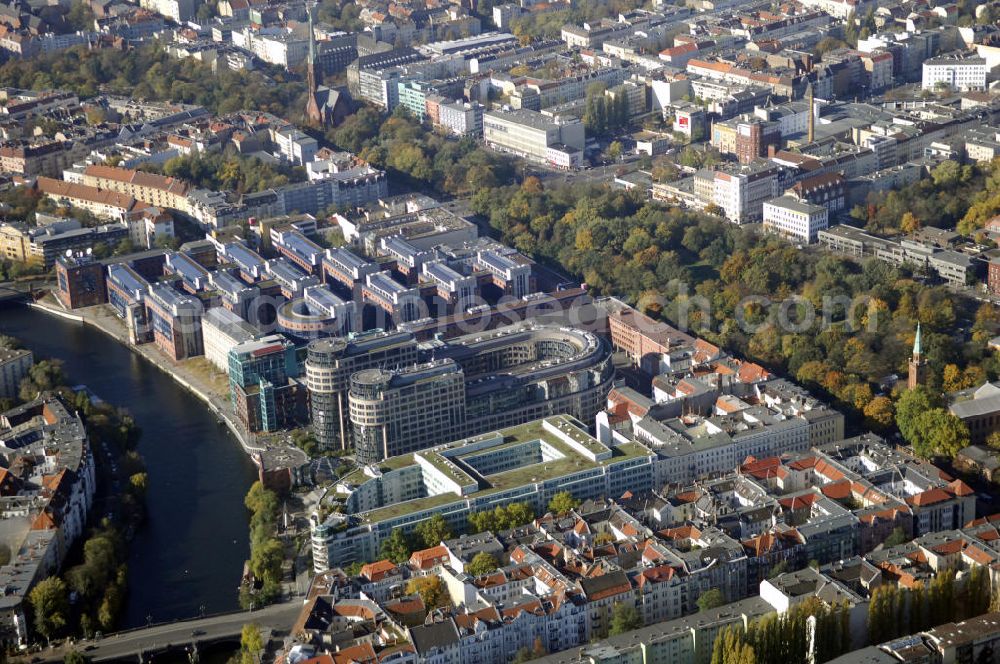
218,403
188,557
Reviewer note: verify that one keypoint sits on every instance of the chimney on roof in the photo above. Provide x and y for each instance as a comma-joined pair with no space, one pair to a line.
811,133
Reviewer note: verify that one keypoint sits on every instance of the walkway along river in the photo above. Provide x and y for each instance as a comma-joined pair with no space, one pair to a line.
189,554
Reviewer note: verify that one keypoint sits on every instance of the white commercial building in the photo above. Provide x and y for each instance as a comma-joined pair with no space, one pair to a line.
294,145
741,194
958,72
222,330
461,118
795,220
529,134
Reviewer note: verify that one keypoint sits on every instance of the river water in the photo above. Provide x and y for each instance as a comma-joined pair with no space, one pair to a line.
188,556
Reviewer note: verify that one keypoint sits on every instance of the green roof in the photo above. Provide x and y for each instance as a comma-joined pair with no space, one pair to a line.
572,462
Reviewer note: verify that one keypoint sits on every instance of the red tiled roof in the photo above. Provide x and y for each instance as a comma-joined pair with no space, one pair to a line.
377,570
428,558
929,497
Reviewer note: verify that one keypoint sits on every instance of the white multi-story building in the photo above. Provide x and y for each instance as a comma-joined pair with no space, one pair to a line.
741,194
222,330
839,8
461,118
276,46
957,72
178,11
795,220
294,145
531,135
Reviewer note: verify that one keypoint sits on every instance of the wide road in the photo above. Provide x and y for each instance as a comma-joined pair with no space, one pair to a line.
129,644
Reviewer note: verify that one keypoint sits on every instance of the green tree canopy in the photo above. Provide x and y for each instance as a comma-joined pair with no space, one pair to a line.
563,503
49,601
624,618
482,563
710,599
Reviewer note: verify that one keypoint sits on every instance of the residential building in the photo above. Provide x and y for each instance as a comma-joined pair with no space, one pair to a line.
461,118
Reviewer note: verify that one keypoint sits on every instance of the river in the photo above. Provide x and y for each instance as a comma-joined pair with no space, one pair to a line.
189,554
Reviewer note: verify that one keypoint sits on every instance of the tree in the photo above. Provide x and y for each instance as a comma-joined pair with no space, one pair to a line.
896,537
396,547
615,151
710,599
563,503
993,440
433,531
266,559
851,29
624,618
779,569
482,563
251,643
139,482
909,223
260,500
49,601
940,433
430,589
912,404
879,413
80,16
75,657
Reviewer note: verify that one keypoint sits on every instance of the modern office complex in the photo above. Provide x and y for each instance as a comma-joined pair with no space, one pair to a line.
478,383
262,384
318,313
176,321
529,134
127,295
526,463
329,367
398,411
795,220
398,303
221,331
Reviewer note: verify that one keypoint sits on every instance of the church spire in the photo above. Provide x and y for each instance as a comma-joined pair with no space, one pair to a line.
918,365
313,112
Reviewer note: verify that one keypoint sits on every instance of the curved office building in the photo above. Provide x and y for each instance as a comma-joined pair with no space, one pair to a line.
329,366
478,383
